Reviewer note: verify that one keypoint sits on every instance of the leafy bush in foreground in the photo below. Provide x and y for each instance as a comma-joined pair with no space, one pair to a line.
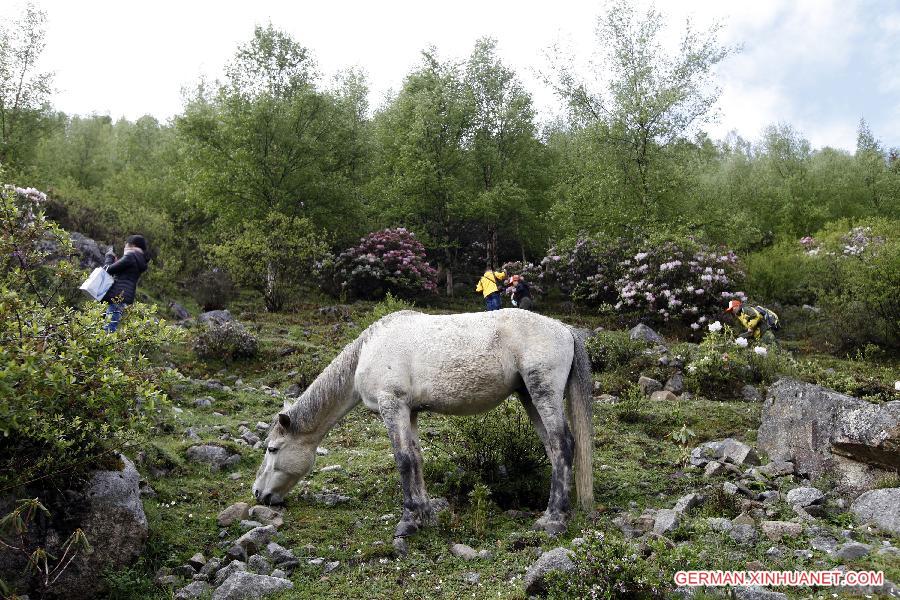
80,393
610,349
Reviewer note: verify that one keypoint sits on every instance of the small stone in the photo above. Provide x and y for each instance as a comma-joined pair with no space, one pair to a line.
256,538
248,524
211,566
197,589
663,396
236,553
687,502
804,496
558,559
234,476
675,383
743,534
852,551
645,333
243,585
769,496
485,555
729,488
331,566
330,468
463,551
743,519
322,451
279,553
648,385
666,521
228,570
259,565
823,543
262,426
266,515
401,547
713,468
775,530
316,562
750,394
471,578
719,524
197,561
607,399
279,573
204,402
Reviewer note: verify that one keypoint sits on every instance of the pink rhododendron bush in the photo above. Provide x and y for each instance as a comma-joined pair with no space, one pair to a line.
391,260
679,281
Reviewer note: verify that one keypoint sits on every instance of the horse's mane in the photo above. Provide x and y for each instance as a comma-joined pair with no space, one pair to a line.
332,382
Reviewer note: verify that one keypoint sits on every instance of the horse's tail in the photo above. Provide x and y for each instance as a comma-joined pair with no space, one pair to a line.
578,396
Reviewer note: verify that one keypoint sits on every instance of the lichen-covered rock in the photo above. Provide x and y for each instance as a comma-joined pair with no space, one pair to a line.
250,586
236,512
215,456
648,385
824,432
727,450
645,333
881,507
805,496
558,559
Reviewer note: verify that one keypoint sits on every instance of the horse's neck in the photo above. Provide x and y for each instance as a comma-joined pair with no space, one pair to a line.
332,395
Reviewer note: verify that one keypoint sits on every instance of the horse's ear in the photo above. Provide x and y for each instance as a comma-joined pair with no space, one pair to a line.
284,420
287,404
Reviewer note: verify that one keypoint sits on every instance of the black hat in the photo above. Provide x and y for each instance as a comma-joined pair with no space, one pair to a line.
137,240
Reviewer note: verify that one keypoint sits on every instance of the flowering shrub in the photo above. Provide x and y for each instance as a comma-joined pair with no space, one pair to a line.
679,281
226,341
391,260
530,272
588,270
722,364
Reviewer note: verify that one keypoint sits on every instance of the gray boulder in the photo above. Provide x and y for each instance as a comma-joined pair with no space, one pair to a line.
648,385
257,538
675,384
805,496
195,589
246,586
178,311
744,534
464,552
727,450
881,507
229,570
852,551
824,432
216,457
558,559
642,332
216,317
667,521
750,394
236,512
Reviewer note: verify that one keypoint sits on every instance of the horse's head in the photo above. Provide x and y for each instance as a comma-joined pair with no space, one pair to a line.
289,456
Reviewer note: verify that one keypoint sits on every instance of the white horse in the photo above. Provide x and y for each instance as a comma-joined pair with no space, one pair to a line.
460,364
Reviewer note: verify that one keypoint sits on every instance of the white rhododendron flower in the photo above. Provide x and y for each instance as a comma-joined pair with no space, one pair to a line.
715,326
897,385
761,350
742,342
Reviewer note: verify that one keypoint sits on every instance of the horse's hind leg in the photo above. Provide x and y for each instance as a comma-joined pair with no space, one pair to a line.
408,453
546,409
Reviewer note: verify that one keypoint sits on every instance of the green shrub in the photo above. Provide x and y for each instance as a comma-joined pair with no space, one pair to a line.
226,341
212,289
785,274
610,349
630,407
719,367
609,567
500,449
390,304
80,393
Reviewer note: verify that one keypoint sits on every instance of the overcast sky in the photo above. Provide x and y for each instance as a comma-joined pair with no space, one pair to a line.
819,65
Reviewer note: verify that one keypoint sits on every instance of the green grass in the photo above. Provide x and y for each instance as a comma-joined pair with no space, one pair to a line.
636,461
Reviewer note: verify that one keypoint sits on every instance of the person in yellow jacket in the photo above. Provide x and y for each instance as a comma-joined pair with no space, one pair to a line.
489,285
758,321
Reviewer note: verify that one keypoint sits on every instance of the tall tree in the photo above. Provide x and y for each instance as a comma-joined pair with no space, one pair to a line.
641,99
24,91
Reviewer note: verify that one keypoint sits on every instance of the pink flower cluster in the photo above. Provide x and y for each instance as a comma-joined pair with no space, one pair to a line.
673,282
390,260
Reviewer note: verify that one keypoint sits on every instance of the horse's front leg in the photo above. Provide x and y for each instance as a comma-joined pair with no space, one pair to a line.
400,424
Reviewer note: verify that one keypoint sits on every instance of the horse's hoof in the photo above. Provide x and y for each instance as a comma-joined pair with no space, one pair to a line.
405,529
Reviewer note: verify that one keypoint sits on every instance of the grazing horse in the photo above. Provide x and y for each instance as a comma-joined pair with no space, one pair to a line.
462,364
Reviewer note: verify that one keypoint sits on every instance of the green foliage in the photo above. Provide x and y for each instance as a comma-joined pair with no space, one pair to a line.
212,289
608,566
784,273
610,349
720,366
81,394
499,449
226,341
273,256
479,498
630,408
390,304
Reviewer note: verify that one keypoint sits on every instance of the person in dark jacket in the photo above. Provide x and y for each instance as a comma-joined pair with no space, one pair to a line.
126,272
521,293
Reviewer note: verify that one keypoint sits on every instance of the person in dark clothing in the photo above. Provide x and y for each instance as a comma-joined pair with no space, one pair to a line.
126,272
521,293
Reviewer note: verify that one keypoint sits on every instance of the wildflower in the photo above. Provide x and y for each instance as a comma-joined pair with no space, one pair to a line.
641,256
897,385
761,350
742,342
695,326
714,327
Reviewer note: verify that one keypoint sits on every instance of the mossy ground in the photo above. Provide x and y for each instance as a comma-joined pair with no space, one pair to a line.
637,465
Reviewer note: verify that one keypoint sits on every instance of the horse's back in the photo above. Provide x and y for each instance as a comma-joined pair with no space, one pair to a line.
463,363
